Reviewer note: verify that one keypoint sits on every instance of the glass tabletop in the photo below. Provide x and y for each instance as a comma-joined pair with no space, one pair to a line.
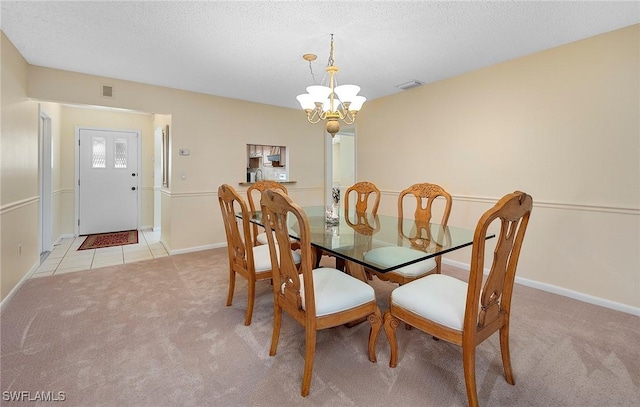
380,242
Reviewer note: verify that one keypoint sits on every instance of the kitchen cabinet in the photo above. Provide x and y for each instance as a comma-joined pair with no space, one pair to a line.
266,162
259,155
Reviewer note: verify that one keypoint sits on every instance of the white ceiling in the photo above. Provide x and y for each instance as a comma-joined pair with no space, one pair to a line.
252,50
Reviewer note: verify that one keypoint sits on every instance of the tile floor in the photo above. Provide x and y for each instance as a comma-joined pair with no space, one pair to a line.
65,257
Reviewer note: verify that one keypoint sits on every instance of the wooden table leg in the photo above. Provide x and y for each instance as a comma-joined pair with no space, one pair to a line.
318,255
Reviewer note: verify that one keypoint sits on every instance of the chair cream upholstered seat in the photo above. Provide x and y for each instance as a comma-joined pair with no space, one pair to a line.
261,238
336,291
436,297
262,258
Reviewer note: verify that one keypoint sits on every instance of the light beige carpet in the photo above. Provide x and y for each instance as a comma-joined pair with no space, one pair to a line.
157,333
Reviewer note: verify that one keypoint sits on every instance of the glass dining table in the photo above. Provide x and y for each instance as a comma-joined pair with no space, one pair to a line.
353,237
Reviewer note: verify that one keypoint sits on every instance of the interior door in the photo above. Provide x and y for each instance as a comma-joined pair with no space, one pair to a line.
108,181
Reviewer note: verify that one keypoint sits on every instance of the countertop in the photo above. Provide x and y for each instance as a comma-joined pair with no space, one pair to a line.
244,183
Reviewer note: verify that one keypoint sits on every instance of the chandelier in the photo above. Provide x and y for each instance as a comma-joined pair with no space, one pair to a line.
331,103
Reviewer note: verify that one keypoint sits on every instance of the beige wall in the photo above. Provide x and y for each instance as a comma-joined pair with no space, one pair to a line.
215,130
561,125
19,201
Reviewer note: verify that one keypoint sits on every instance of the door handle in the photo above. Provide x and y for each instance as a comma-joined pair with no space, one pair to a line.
133,174
133,188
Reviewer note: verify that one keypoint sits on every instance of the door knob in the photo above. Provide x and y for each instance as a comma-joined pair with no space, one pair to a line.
133,174
133,188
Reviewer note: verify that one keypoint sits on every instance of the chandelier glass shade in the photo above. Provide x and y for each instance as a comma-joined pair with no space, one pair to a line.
331,103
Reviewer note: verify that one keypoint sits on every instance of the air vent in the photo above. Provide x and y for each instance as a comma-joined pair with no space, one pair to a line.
410,84
107,91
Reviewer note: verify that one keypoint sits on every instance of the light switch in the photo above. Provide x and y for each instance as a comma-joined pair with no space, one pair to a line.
184,151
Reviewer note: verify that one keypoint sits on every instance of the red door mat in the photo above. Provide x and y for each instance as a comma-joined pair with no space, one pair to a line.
109,239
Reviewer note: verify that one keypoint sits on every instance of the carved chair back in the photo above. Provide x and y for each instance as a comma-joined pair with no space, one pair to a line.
254,193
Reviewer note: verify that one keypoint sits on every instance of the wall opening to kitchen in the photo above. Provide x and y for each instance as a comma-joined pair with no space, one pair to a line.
267,162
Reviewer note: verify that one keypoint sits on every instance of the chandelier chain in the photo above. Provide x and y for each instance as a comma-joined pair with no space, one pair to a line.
312,74
331,61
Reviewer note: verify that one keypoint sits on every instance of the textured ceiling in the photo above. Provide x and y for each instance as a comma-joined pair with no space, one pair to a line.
253,50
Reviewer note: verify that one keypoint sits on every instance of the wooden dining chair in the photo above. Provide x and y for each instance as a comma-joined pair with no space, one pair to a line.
251,262
317,298
462,313
254,192
361,201
425,195
362,193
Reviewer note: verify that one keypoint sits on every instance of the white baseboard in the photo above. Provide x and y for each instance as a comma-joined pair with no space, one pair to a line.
198,248
28,275
565,292
18,286
579,296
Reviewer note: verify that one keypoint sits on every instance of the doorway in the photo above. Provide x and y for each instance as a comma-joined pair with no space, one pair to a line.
158,177
341,160
46,196
108,190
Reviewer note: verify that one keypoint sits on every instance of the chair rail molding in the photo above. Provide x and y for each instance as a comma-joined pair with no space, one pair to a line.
12,206
543,204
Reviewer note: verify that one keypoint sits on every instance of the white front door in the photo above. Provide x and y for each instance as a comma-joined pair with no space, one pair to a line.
107,181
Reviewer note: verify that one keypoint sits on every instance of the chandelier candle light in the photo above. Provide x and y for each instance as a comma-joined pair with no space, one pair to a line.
331,103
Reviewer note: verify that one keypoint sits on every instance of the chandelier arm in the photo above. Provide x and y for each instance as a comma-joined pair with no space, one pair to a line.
349,119
314,117
343,110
